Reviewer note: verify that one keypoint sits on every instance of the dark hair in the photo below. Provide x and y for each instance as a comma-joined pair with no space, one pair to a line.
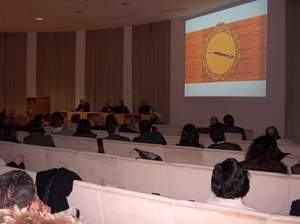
217,134
264,155
230,180
145,126
263,148
189,136
17,188
34,126
111,123
272,132
57,119
9,132
228,120
83,126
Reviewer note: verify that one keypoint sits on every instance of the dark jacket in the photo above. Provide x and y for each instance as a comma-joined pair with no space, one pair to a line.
268,166
295,208
152,137
112,136
121,110
83,108
235,129
85,135
14,165
144,109
54,186
225,146
39,139
197,145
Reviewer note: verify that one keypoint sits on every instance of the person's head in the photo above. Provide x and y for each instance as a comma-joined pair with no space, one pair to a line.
9,131
229,180
83,126
228,120
19,159
145,126
263,148
217,134
57,120
213,121
111,123
34,126
82,101
17,188
189,135
39,118
272,132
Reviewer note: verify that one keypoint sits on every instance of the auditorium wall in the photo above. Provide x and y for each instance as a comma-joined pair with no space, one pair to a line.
250,113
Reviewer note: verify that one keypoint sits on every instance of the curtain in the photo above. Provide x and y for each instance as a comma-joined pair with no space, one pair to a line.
292,70
13,56
151,66
104,67
56,54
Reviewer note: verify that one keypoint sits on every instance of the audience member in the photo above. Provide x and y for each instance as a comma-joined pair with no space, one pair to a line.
107,108
217,135
84,129
37,136
144,108
121,108
98,125
9,133
274,133
18,162
111,127
37,121
83,106
190,136
19,202
57,121
17,188
263,156
229,126
149,136
230,184
213,121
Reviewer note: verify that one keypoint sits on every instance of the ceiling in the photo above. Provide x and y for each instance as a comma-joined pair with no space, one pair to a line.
67,15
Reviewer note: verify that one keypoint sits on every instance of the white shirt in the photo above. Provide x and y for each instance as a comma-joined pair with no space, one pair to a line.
231,203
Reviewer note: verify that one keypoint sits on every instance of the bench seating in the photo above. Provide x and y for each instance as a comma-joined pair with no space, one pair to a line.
99,204
269,192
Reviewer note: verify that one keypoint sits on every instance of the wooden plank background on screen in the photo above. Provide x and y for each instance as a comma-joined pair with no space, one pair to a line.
253,42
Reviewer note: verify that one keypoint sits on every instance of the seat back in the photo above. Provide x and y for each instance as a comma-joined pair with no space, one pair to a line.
76,143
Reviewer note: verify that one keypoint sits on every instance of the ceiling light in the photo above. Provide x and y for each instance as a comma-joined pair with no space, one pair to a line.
39,19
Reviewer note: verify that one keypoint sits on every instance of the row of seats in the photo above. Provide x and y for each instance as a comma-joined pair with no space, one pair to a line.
100,204
90,144
269,192
181,154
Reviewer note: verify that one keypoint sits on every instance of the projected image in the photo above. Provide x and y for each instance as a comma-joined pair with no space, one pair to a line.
225,52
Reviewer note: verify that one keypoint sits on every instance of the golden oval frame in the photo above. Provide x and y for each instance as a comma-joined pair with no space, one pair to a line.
221,27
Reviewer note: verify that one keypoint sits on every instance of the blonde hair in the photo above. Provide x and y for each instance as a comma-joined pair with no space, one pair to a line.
23,216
